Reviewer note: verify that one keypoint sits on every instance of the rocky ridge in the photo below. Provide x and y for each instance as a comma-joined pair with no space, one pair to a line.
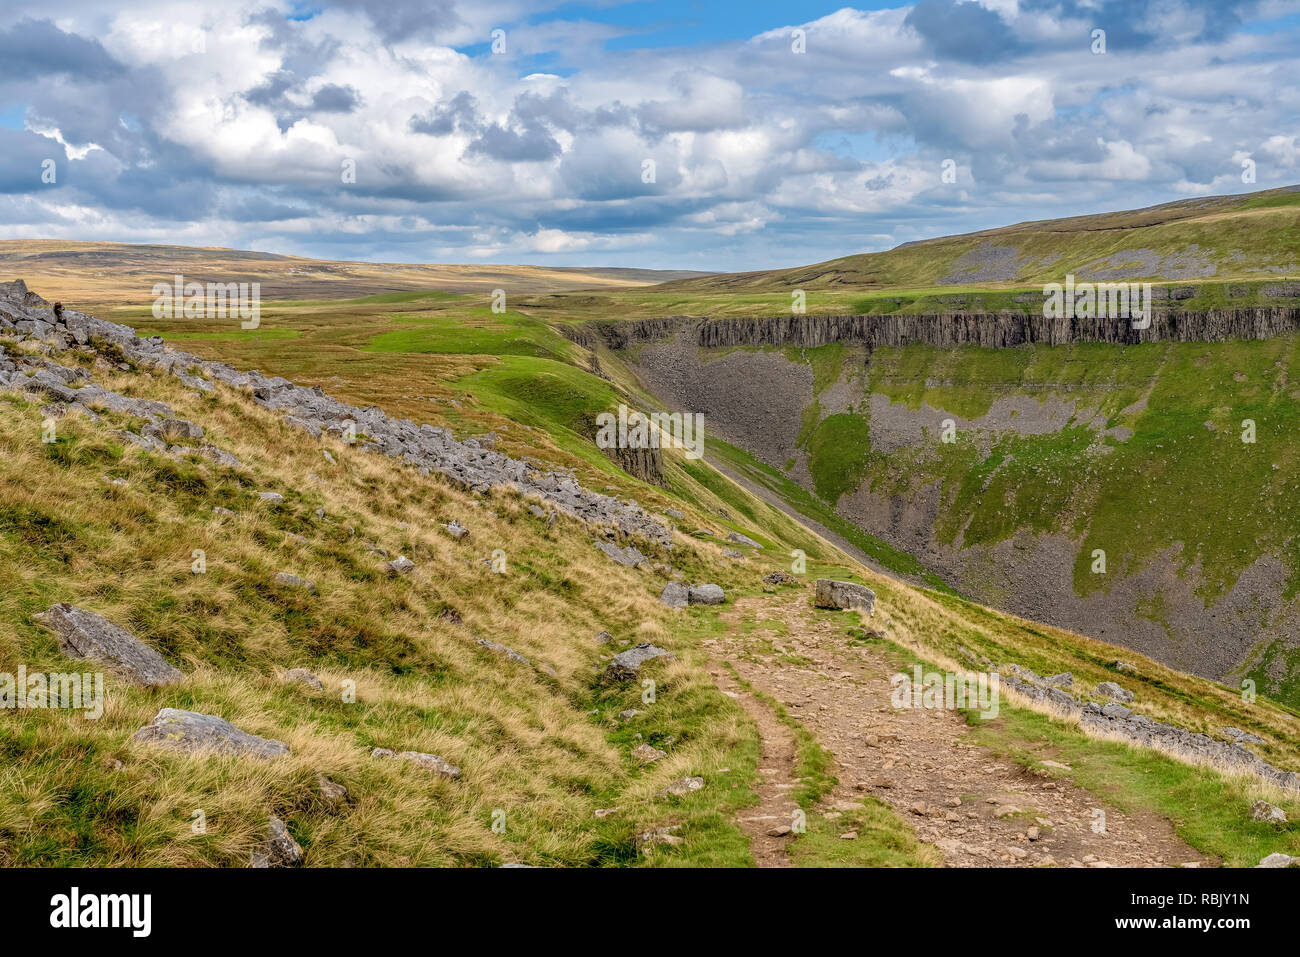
1117,720
990,331
427,448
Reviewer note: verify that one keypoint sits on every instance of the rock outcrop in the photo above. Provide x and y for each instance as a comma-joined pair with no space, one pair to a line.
988,330
425,447
626,665
629,556
1117,721
429,762
84,634
832,593
192,731
279,849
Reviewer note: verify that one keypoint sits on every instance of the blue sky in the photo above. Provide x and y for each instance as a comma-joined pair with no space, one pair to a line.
719,135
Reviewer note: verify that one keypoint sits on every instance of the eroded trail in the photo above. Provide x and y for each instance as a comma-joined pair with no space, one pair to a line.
976,809
776,770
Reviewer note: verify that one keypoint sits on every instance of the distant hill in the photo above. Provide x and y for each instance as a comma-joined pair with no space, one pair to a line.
99,272
1246,236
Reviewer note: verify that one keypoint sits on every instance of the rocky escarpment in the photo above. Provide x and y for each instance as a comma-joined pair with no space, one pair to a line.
756,390
425,447
643,462
990,331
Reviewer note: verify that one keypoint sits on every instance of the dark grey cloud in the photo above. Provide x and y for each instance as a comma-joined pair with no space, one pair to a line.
396,20
1126,22
334,98
37,48
272,90
531,144
22,154
963,31
460,113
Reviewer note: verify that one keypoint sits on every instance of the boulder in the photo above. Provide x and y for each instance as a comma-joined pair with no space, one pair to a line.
628,556
502,649
1279,860
293,581
280,849
779,578
648,755
676,595
1113,691
305,677
666,836
401,565
456,530
706,595
275,498
171,429
740,539
331,792
625,665
83,634
192,731
430,762
219,456
1267,813
832,593
683,786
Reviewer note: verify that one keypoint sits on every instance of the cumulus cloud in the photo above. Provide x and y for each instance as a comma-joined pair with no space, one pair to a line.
390,128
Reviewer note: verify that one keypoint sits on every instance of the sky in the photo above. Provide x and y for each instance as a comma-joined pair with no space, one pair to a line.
715,135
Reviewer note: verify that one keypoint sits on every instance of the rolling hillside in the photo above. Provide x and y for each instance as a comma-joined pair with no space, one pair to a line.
1249,236
92,272
501,676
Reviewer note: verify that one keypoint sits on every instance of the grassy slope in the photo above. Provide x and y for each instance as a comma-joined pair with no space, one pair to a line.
524,740
933,624
446,359
1260,227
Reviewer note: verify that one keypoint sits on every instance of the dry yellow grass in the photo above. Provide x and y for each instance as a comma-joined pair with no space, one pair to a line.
523,738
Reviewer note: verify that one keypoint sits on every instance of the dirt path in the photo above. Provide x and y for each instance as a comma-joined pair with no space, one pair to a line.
776,778
978,810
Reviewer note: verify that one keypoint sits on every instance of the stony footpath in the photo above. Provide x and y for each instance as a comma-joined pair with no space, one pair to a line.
471,463
978,810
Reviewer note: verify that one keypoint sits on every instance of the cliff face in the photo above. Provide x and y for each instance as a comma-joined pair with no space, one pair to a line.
645,463
996,331
1060,451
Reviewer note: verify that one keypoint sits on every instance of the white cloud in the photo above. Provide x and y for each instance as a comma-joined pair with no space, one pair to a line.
741,132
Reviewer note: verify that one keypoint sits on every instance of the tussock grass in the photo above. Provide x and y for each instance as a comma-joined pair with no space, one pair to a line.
524,739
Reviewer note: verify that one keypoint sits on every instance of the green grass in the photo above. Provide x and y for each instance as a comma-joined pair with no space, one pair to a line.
1211,812
807,504
838,452
884,839
472,331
